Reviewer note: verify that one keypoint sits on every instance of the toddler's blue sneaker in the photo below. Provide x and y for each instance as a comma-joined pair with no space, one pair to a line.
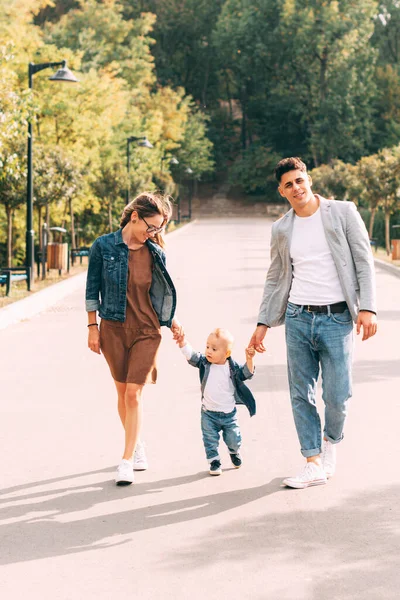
215,467
236,460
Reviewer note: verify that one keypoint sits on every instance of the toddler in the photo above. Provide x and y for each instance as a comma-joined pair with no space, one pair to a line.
222,387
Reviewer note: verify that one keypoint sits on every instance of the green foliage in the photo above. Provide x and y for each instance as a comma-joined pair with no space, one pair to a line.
301,71
105,40
253,171
184,52
337,180
80,130
229,85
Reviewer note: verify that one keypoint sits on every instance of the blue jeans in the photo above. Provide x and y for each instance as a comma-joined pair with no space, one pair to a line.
212,423
315,340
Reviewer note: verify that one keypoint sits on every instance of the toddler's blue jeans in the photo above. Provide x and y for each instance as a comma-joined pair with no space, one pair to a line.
212,423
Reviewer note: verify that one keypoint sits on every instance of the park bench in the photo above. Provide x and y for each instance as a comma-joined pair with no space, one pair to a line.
374,243
10,274
79,252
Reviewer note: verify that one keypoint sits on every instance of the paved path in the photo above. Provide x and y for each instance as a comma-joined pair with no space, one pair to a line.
68,533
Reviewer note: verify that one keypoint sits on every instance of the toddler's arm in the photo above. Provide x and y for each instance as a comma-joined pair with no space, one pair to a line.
247,370
193,358
250,353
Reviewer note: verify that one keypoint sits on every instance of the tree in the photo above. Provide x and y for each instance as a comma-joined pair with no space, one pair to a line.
372,188
12,195
184,52
104,39
302,70
335,180
110,187
58,179
390,177
379,179
254,171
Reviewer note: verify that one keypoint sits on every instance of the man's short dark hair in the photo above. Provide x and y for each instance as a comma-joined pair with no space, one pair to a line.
289,164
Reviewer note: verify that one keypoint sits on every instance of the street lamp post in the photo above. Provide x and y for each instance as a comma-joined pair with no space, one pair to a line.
63,74
189,171
173,161
142,142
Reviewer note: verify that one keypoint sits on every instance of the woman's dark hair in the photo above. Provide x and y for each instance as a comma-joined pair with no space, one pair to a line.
148,204
289,164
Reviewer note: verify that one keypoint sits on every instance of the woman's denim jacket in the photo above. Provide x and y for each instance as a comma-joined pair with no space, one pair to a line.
107,280
238,374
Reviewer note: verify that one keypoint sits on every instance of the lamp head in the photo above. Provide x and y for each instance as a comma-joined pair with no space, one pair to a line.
145,143
64,74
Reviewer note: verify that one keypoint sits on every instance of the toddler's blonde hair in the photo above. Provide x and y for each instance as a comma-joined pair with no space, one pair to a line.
226,336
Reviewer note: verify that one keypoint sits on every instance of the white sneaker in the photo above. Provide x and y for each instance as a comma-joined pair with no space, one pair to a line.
328,458
125,475
139,458
312,474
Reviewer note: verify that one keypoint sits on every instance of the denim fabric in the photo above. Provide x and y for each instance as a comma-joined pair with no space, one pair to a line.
238,376
212,423
318,341
107,278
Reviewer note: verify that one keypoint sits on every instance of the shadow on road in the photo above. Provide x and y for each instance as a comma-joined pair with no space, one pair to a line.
38,536
348,552
364,371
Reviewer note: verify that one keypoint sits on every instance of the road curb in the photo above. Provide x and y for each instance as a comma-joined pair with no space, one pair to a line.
39,301
387,267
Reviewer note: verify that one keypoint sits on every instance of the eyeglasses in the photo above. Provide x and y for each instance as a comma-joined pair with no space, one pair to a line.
151,229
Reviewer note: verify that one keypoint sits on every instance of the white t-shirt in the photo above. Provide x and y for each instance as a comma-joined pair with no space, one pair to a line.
219,393
315,277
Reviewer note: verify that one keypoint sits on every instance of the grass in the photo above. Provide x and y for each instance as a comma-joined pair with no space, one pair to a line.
381,254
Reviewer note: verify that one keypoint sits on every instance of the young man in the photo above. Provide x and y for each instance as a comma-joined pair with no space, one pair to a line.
320,280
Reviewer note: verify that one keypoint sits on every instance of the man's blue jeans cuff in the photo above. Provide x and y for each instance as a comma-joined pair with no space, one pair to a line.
312,452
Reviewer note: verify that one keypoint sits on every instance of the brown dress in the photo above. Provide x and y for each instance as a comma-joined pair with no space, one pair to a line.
130,348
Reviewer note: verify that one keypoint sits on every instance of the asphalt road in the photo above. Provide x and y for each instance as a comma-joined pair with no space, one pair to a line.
68,533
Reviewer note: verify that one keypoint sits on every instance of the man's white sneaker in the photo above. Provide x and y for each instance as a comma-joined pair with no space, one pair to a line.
312,474
329,458
139,458
125,475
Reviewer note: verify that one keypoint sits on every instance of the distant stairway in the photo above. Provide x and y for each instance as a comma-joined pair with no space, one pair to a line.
219,205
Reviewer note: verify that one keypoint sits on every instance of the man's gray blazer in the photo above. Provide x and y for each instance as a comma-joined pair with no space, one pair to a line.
348,241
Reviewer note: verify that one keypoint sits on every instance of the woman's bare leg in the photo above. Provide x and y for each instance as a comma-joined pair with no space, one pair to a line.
133,417
121,389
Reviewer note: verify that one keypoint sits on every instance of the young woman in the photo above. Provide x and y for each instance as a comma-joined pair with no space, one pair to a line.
129,286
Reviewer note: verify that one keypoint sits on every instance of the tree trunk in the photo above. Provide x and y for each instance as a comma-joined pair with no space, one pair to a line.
243,102
323,86
205,83
228,94
77,232
371,222
110,219
387,232
71,214
39,208
9,213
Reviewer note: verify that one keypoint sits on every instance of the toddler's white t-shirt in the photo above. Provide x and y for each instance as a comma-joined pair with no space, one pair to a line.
219,393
